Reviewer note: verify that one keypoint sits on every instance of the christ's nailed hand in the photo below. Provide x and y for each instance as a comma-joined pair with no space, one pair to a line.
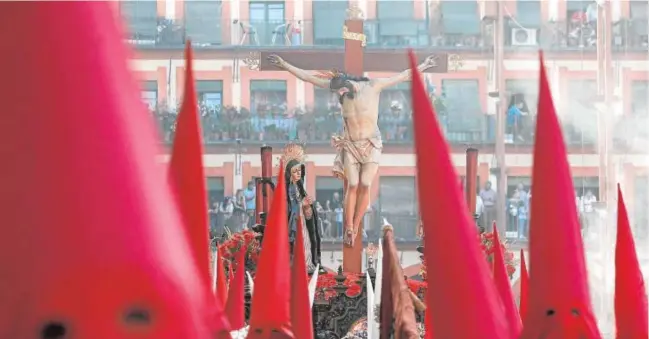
431,61
276,60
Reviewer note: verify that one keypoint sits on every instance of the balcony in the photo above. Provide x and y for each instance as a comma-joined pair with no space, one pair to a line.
274,123
385,33
627,35
556,35
630,35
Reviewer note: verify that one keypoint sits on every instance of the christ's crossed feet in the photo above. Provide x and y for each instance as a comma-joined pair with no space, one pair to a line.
348,239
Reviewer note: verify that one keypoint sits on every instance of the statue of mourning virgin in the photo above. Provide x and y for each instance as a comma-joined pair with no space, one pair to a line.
301,204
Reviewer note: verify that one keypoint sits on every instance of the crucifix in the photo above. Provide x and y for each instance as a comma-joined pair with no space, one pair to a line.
359,146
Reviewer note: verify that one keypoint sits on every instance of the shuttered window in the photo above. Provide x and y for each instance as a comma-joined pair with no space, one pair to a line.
203,21
328,21
397,20
460,17
268,85
149,93
462,100
528,13
142,19
579,121
210,92
639,100
267,94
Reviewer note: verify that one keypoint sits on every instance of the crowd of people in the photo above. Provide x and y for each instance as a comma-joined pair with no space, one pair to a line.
223,124
236,213
518,209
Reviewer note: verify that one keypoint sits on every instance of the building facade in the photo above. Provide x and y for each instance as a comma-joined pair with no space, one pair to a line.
244,108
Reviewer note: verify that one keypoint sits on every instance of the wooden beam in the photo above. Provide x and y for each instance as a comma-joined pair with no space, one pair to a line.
372,61
353,64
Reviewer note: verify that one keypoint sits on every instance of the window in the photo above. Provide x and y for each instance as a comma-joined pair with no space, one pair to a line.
582,23
397,25
397,97
268,95
639,101
395,116
398,204
210,92
460,21
149,93
326,187
142,19
639,31
585,184
525,92
203,22
639,13
328,22
580,121
528,14
267,18
513,182
462,101
641,199
325,99
215,189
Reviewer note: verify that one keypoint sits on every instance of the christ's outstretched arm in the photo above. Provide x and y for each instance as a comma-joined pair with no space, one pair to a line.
383,83
298,72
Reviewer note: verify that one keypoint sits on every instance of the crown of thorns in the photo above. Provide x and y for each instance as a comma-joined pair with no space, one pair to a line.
330,74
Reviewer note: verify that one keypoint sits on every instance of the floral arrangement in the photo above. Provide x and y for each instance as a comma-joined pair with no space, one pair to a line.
487,246
248,239
326,282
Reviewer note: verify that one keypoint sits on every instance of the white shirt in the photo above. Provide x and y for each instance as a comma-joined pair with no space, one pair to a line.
479,206
588,203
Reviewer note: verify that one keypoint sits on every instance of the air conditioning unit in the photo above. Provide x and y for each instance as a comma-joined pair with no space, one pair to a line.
524,37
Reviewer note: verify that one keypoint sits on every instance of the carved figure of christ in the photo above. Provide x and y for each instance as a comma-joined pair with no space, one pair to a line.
359,147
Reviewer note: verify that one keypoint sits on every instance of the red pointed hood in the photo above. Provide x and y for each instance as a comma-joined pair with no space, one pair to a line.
630,290
234,307
428,325
271,300
560,305
524,285
397,292
300,304
467,291
501,280
221,283
104,253
187,176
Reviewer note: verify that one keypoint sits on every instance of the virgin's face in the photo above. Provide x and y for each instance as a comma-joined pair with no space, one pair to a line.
296,173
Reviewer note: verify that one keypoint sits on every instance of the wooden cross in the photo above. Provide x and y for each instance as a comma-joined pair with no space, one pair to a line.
354,60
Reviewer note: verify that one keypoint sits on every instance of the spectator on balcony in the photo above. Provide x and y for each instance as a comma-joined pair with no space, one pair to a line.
582,32
226,208
338,210
439,102
523,209
588,202
250,195
479,206
213,215
325,226
239,216
489,200
512,210
515,120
